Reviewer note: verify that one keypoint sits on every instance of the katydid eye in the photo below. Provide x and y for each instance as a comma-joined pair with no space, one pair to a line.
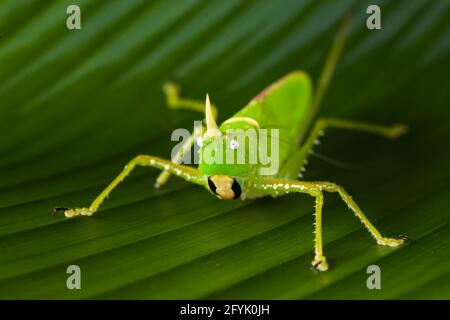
212,186
236,189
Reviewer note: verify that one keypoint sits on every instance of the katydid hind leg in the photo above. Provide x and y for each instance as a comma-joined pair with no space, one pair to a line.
294,167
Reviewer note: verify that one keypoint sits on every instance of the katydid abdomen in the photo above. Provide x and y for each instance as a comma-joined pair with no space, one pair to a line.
284,105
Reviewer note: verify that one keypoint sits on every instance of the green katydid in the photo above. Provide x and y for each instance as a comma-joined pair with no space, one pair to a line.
287,104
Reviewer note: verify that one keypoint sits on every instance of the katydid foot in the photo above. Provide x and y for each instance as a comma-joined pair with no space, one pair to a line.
70,213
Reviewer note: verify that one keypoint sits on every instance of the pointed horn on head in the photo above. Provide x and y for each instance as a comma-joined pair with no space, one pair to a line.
212,129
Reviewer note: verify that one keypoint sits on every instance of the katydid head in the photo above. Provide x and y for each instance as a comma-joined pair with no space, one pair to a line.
222,159
226,179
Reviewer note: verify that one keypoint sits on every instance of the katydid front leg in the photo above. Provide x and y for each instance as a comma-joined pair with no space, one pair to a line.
178,157
174,101
276,187
184,172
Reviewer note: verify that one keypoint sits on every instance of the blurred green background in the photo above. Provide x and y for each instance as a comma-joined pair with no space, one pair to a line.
75,106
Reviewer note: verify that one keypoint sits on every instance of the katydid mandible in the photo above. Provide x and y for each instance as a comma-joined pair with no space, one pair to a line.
288,105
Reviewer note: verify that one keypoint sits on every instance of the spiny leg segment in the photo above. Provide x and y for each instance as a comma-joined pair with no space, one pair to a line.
322,124
184,172
319,261
295,166
277,187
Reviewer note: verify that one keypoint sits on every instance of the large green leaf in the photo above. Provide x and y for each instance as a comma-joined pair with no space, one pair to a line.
75,106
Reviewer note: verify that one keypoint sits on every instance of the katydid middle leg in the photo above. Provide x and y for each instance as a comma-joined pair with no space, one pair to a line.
175,101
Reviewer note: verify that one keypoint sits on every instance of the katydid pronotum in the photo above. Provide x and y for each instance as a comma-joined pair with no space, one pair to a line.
287,105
